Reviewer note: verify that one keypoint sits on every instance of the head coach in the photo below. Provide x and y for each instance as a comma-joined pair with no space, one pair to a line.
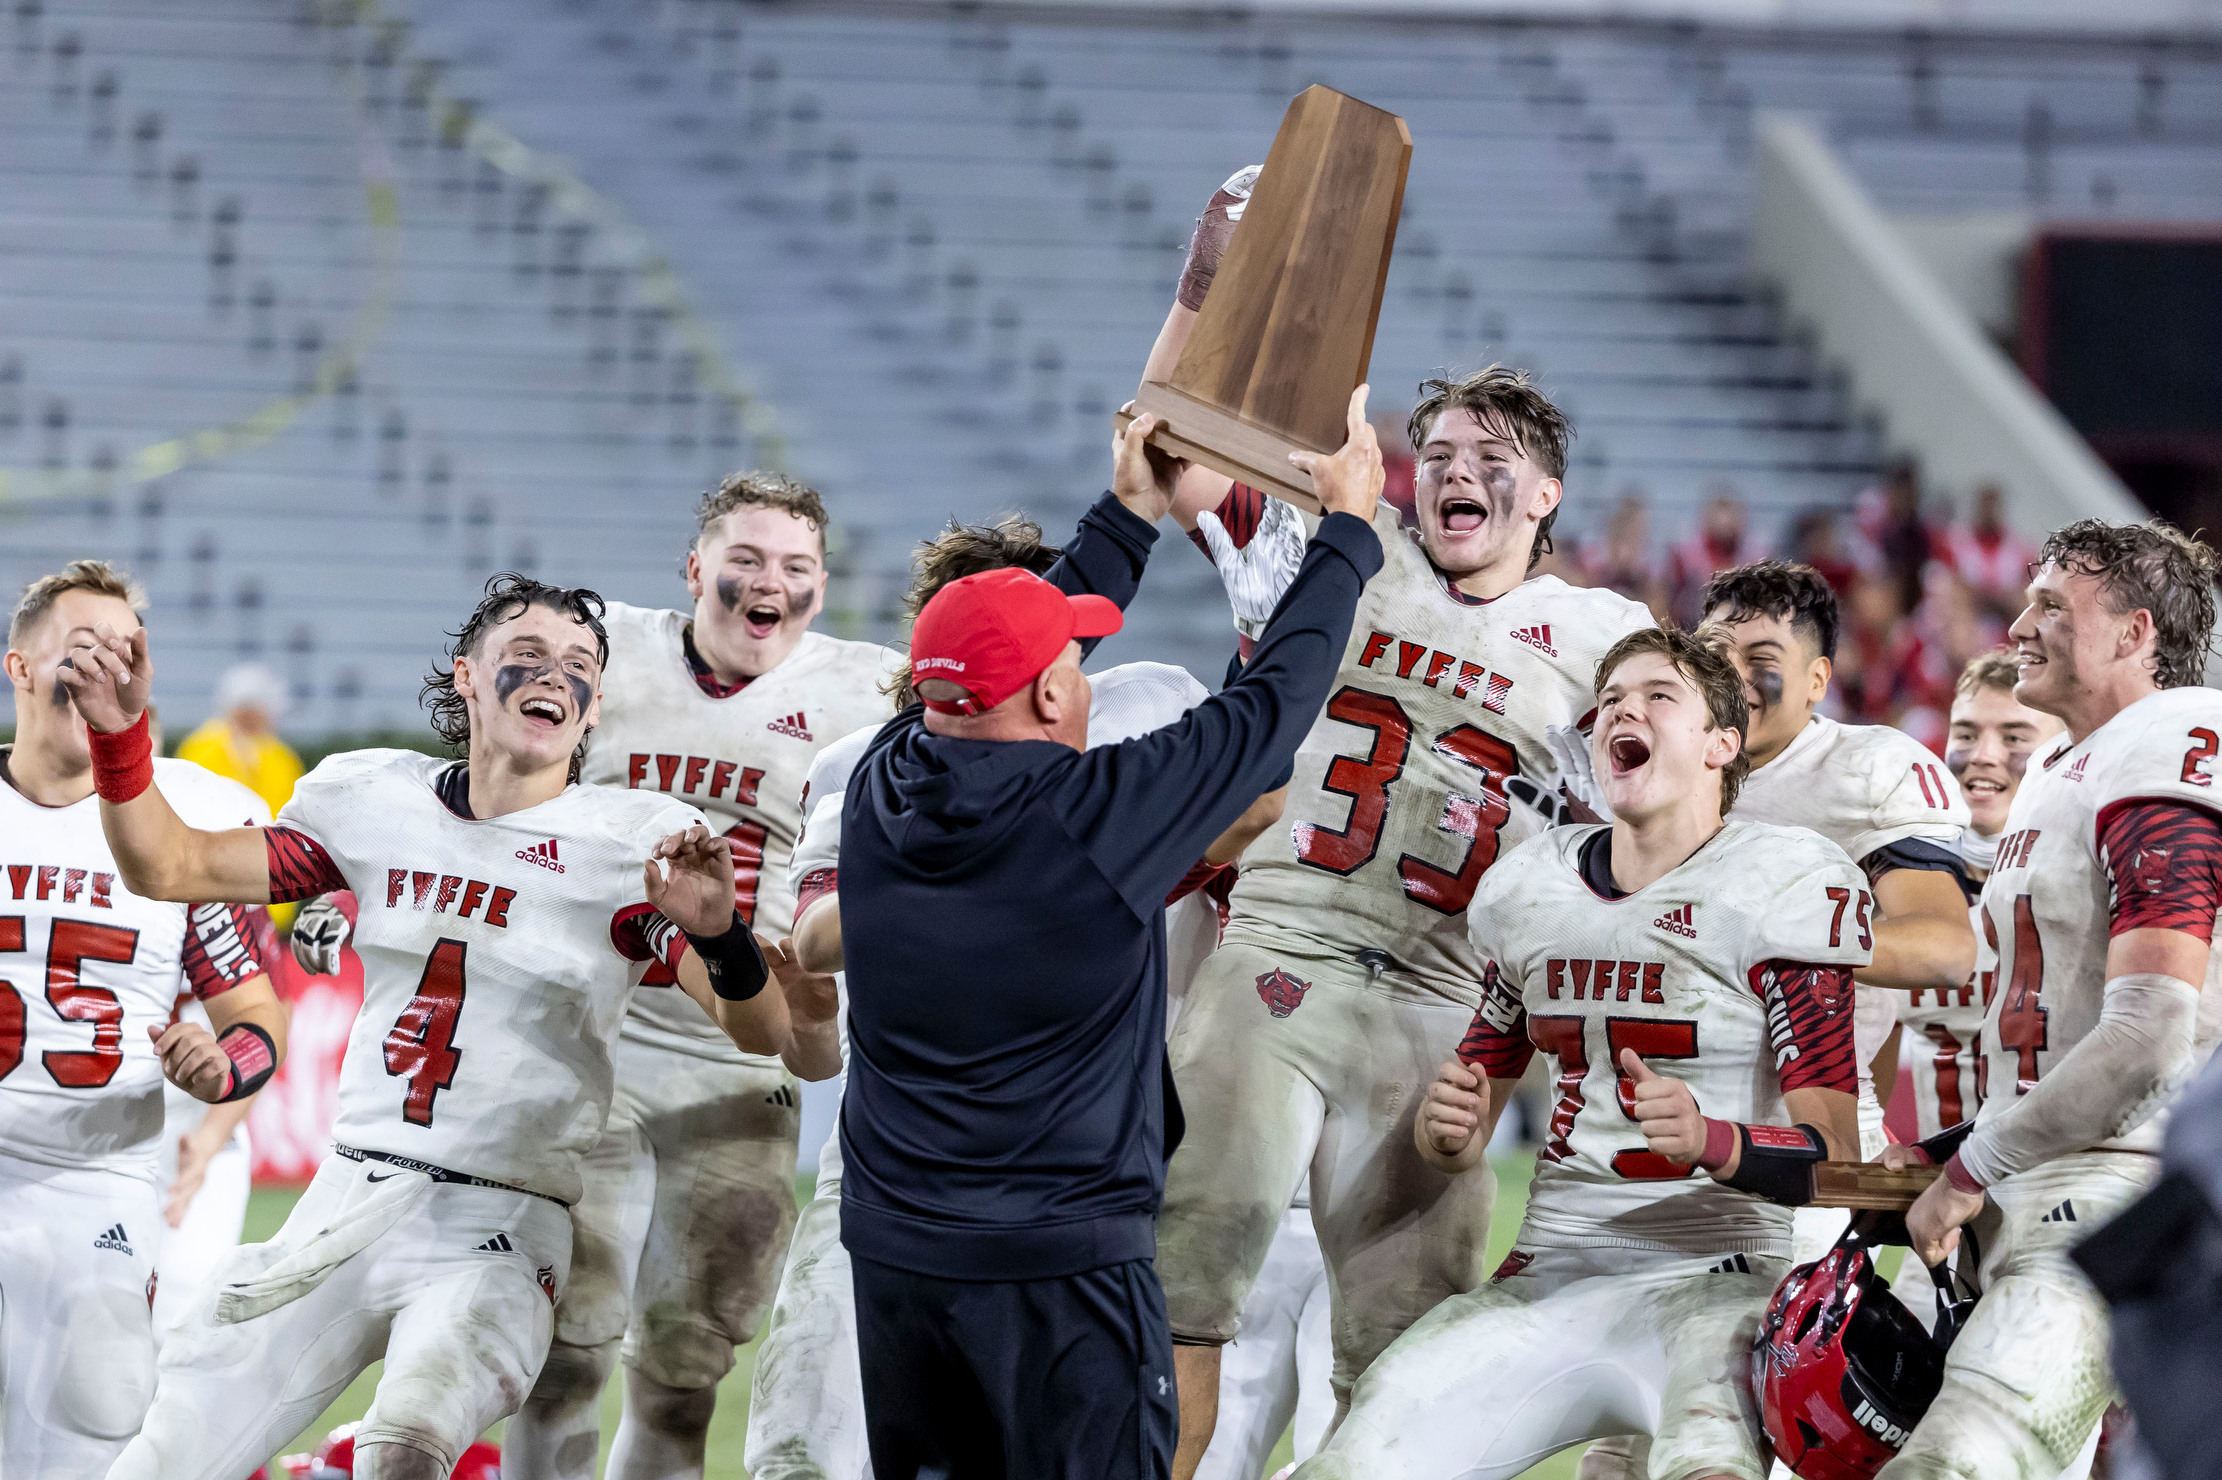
1008,1113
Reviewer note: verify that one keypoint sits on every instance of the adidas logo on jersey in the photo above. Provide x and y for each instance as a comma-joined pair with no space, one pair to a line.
795,726
2065,1213
1538,638
114,1239
2075,772
784,1097
1680,922
498,1244
543,854
1733,1264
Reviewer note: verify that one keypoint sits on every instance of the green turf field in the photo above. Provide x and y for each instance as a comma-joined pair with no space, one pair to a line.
268,1208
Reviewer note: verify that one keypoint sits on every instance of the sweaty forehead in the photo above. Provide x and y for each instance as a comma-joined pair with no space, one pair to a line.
1464,426
1645,669
539,629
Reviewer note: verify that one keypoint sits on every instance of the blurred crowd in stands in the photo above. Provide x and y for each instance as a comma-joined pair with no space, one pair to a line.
1923,587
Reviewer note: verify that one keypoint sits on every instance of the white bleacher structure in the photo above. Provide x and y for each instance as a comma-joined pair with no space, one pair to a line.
317,312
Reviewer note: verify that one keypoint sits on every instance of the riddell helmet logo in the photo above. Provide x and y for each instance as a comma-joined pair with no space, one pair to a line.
1872,1419
544,854
1282,993
795,726
1682,922
1538,638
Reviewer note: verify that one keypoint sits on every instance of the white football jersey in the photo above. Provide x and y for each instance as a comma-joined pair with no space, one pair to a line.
497,960
1680,972
1936,1047
1863,787
740,759
1397,806
86,967
2047,905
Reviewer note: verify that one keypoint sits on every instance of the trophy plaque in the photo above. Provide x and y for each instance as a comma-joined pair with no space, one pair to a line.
1286,333
1869,1184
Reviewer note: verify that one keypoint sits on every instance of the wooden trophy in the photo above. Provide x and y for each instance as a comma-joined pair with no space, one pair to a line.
1868,1184
1287,331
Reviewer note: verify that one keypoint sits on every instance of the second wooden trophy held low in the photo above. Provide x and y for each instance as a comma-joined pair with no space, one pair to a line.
1287,331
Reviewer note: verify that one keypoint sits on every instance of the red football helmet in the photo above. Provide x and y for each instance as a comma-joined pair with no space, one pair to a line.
335,1459
1841,1370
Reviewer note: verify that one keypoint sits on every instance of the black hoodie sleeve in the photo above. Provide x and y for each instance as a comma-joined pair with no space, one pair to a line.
1146,810
1105,557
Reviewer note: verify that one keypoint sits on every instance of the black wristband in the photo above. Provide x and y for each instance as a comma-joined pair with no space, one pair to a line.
1940,1147
1775,1166
736,968
254,1058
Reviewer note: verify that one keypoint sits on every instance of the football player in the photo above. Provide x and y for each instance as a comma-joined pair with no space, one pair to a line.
723,706
1344,974
89,969
506,914
1991,738
1689,982
1874,791
2101,908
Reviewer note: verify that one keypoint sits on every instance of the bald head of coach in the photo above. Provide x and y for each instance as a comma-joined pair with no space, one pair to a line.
1008,1112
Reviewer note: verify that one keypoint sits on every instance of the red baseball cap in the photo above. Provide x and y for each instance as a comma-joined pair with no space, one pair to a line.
991,634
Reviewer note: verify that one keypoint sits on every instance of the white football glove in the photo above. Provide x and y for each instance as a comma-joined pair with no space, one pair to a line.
1257,575
319,930
1570,748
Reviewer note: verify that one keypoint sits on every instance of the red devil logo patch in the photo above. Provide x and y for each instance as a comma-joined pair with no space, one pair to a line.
1282,993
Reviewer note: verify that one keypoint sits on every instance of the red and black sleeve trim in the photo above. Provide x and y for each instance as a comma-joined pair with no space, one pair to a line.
2163,862
219,949
1239,513
1809,1023
641,933
299,866
1497,1042
816,885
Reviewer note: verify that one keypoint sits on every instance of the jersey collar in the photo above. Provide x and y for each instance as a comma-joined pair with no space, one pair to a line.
705,677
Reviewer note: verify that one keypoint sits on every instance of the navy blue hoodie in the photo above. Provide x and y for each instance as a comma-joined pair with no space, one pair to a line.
1008,1112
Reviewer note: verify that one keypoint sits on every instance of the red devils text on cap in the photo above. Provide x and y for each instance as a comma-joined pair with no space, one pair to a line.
993,633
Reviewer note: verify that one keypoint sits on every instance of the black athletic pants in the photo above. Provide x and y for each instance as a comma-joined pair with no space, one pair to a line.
1058,1379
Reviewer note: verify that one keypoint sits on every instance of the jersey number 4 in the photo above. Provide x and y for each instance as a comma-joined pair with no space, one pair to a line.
1366,782
2022,1018
421,1046
69,945
1564,1037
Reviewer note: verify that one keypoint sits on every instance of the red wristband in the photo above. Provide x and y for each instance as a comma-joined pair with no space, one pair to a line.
1721,1141
1957,1175
123,763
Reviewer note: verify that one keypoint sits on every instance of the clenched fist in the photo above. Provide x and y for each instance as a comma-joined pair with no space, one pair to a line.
1447,1129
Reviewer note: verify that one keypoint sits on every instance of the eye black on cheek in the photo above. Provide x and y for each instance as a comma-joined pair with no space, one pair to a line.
511,677
582,693
730,593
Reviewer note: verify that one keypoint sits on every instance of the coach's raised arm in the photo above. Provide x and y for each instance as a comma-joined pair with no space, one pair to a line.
1002,900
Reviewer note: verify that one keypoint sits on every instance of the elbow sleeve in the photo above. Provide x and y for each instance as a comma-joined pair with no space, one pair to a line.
2121,1075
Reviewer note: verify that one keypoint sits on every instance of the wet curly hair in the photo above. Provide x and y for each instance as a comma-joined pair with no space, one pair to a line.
2153,567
